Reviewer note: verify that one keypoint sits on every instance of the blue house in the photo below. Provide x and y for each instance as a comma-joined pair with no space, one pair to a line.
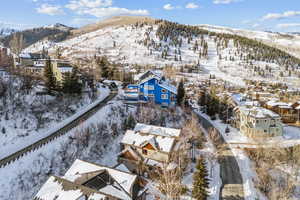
151,87
154,88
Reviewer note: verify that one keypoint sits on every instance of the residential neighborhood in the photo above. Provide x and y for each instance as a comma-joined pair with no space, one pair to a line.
152,87
144,100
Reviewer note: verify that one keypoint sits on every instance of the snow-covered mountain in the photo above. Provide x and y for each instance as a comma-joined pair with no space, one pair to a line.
59,26
157,43
6,31
56,32
289,42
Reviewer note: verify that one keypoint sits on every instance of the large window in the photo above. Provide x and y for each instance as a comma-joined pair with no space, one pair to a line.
164,96
150,87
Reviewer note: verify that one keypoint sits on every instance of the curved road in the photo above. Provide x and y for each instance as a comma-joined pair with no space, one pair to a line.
15,156
232,182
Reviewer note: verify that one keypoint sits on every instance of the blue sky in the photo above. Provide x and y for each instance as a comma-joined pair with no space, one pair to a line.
273,15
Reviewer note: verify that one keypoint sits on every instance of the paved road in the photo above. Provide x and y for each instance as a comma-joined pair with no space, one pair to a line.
15,156
232,182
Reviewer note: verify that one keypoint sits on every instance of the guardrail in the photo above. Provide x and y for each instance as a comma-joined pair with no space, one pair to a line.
56,134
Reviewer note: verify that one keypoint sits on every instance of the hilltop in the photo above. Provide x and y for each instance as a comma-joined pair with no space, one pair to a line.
289,42
18,40
114,21
231,54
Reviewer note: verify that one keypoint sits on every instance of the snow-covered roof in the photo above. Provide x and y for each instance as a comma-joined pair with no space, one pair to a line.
122,167
138,139
80,168
60,189
168,87
258,112
71,185
148,79
132,152
277,103
154,74
252,103
25,55
157,130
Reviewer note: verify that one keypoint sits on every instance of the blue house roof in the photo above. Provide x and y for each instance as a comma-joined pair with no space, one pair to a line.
169,87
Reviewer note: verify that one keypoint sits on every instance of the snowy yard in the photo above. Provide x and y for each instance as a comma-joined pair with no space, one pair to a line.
55,157
245,164
26,118
237,141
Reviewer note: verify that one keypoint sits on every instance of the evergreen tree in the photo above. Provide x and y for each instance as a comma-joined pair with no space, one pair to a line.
180,93
200,183
50,82
71,83
103,64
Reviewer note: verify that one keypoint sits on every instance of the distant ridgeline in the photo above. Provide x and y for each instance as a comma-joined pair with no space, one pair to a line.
22,39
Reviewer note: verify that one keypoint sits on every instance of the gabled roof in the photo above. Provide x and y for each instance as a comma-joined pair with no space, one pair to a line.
258,112
81,176
133,153
125,180
157,130
138,139
62,189
31,55
168,87
148,79
152,74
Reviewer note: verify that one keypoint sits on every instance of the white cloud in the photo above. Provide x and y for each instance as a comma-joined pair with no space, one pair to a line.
191,6
50,9
83,4
112,11
290,25
225,1
168,7
101,8
286,14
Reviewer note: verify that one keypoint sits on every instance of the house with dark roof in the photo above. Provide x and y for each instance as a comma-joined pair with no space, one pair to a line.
89,181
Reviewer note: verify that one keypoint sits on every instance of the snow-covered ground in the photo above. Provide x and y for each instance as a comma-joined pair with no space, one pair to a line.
16,143
248,173
212,66
127,45
26,118
288,42
55,157
128,48
212,166
237,141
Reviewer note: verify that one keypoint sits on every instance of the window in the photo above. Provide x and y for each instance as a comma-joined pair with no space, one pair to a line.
164,96
163,90
150,95
150,87
145,152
